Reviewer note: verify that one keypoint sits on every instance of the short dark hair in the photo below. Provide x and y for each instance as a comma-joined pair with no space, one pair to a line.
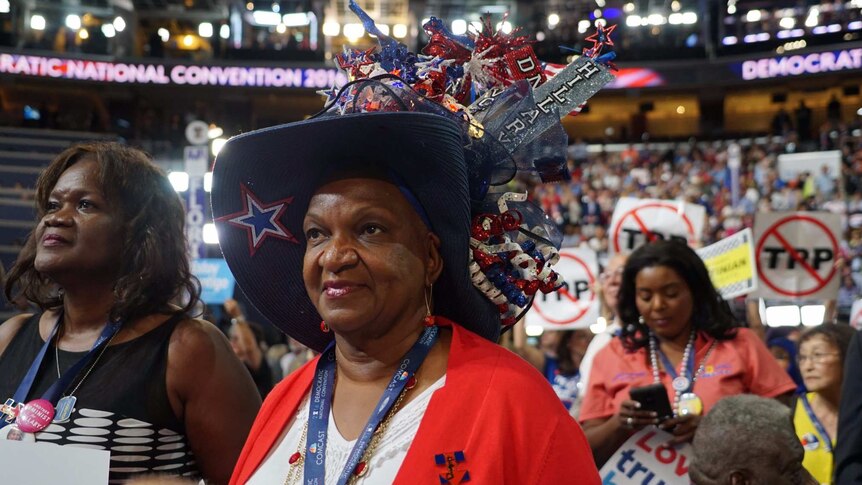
154,266
711,313
837,334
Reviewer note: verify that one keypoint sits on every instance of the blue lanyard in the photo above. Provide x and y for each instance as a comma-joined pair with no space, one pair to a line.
56,390
321,401
827,442
668,366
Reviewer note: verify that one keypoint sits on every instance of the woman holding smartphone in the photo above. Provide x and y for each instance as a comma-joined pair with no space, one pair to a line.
680,334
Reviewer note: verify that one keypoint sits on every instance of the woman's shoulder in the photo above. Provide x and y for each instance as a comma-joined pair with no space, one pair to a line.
195,335
10,328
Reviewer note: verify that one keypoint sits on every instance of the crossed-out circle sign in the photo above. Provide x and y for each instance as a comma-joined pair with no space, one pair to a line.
643,216
812,257
566,306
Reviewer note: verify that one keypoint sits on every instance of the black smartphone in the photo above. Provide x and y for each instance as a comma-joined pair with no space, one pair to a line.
653,398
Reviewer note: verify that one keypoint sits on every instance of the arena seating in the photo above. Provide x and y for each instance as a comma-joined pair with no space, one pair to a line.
24,153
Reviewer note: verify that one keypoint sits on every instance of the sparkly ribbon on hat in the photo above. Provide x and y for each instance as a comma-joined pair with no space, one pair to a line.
510,108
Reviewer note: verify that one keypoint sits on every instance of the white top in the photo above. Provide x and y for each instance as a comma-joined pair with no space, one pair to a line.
384,463
597,343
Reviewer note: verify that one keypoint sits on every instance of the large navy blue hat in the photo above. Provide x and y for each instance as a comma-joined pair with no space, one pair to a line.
263,182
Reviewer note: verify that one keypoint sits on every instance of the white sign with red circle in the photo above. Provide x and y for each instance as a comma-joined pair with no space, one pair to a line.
796,254
637,221
575,305
856,315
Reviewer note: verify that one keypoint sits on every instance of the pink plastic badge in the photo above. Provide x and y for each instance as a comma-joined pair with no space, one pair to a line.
35,416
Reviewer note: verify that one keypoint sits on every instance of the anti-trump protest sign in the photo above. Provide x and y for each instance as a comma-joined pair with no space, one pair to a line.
646,458
574,305
637,221
796,255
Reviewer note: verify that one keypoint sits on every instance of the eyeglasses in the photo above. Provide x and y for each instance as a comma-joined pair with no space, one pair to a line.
607,275
816,357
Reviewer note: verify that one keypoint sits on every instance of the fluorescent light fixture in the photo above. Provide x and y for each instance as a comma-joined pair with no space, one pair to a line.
224,31
205,29
210,235
855,25
164,34
217,145
553,20
812,315
819,30
37,22
833,28
331,29
674,18
179,181
108,30
208,182
534,330
119,24
459,26
505,27
383,28
4,6
600,326
787,23
353,31
73,22
399,31
299,19
633,20
266,18
762,37
782,316
750,38
656,19
753,16
689,18
783,34
729,40
813,19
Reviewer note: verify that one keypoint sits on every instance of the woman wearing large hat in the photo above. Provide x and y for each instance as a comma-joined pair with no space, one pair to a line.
373,234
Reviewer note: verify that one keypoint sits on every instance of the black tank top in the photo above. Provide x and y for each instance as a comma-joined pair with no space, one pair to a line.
121,407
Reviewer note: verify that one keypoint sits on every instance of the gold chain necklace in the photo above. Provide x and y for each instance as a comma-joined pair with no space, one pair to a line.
298,457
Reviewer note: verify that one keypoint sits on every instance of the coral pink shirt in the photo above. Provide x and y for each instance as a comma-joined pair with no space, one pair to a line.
741,365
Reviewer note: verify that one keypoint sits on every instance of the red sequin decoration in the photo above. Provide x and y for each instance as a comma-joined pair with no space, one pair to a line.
361,469
294,458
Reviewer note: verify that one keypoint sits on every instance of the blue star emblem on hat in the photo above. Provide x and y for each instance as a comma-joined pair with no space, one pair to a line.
259,219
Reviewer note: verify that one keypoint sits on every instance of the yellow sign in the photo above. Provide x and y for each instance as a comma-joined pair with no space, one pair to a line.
731,264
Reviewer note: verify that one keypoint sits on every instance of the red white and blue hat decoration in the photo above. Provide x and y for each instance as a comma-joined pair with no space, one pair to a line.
453,125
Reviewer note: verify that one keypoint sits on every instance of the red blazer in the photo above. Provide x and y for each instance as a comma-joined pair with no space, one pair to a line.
494,408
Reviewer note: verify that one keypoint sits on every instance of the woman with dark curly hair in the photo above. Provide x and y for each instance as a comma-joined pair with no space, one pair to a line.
679,332
114,350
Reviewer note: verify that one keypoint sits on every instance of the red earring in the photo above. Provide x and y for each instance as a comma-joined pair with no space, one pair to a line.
429,320
324,327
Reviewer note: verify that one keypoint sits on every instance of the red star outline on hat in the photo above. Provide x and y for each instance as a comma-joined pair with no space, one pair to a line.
600,38
260,220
